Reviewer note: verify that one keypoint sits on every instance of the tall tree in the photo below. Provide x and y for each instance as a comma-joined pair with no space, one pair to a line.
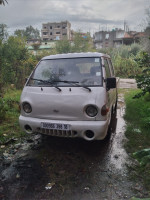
82,43
29,33
32,33
36,47
143,61
3,2
143,79
63,46
145,41
20,32
15,62
148,16
3,32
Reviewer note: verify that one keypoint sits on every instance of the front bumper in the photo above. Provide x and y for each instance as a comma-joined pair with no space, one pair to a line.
77,128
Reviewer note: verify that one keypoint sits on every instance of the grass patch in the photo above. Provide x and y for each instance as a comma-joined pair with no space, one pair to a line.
9,125
137,117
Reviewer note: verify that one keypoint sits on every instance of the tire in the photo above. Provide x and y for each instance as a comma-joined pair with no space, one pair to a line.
109,126
115,108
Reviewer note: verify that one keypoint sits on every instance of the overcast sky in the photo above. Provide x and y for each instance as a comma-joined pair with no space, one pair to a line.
86,15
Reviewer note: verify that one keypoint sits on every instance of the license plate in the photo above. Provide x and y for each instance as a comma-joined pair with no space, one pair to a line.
64,127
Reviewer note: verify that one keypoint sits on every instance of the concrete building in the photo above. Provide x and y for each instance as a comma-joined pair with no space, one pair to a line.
43,46
56,31
116,37
33,41
104,39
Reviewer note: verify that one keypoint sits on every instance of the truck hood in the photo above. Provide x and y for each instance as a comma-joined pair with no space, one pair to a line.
69,104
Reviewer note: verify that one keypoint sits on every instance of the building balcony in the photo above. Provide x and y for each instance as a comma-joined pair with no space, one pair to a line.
45,36
44,30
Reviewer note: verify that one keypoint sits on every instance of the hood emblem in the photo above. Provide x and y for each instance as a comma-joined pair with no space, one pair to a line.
56,111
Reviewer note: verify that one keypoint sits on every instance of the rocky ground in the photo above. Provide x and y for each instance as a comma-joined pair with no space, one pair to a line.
49,168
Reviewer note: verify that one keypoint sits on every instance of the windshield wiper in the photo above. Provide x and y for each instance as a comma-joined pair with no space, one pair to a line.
76,83
45,81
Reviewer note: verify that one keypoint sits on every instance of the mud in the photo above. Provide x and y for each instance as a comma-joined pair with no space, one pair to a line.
49,168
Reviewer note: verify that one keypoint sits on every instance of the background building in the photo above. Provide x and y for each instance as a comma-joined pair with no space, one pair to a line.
56,31
116,37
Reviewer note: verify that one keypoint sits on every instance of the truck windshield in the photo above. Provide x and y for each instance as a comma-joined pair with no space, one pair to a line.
66,72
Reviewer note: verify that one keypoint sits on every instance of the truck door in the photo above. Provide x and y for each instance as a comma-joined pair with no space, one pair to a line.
111,92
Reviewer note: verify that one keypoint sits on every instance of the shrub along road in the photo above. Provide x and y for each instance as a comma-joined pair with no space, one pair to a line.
43,167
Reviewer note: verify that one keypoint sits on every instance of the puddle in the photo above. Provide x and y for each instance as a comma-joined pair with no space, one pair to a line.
118,155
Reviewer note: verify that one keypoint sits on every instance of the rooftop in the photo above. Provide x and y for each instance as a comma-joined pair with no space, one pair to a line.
76,55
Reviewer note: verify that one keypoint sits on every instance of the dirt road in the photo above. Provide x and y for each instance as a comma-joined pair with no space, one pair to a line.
48,168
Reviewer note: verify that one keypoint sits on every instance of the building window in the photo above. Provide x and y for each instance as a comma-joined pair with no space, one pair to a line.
51,33
45,27
44,33
107,36
57,38
57,32
51,27
64,27
58,26
64,33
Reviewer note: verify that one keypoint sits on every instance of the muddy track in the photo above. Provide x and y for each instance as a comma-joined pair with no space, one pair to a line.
49,168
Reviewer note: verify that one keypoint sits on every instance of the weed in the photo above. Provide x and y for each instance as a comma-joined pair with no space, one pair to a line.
9,126
137,117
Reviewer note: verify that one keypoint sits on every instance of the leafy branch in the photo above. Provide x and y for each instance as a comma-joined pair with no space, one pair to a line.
3,2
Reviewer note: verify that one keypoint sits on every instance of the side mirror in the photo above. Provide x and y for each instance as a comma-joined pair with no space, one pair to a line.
110,83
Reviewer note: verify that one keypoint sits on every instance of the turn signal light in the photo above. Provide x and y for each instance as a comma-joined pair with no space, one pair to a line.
104,110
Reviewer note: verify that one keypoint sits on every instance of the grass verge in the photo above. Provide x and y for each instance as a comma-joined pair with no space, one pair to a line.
137,117
9,125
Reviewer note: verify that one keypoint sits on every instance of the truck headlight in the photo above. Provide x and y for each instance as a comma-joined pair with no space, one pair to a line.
27,107
91,111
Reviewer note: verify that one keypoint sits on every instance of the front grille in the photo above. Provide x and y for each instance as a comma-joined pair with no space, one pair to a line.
59,133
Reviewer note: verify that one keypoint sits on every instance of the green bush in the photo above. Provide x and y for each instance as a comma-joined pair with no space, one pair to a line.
15,61
9,107
123,59
137,118
143,79
3,109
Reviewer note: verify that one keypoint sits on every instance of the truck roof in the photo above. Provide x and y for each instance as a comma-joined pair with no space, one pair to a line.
76,55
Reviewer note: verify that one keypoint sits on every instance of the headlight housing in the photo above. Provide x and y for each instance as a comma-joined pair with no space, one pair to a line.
27,107
91,111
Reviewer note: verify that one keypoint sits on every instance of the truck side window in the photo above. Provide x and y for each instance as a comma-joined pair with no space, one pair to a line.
108,73
111,67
